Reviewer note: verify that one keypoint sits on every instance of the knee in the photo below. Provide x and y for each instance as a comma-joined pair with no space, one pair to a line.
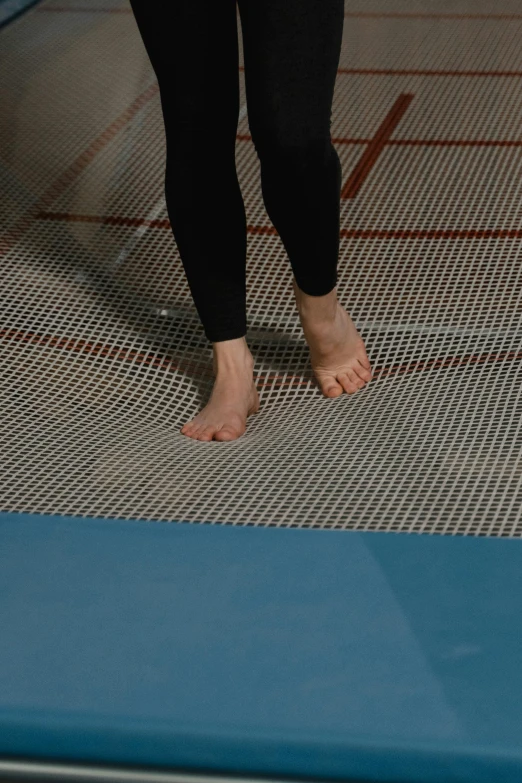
299,149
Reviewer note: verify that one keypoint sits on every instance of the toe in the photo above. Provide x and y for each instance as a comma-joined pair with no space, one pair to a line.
194,429
350,381
363,360
227,433
207,432
360,376
363,370
346,383
331,388
357,380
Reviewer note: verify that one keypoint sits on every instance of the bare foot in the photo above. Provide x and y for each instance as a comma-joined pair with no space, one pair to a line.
337,351
234,396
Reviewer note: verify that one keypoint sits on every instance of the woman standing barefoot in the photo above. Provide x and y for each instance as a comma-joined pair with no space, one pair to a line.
291,53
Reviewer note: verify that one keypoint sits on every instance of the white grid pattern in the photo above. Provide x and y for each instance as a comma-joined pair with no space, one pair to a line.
103,355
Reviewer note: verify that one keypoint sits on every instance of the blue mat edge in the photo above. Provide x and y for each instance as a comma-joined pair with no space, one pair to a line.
17,9
328,758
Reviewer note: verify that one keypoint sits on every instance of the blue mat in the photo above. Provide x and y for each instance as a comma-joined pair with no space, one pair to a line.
11,9
331,654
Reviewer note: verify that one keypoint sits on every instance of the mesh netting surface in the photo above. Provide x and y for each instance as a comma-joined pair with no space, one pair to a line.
103,357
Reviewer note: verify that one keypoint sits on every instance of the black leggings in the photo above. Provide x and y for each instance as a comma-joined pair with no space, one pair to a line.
291,52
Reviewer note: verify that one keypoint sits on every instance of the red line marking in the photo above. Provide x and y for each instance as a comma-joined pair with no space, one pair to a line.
375,15
417,72
110,220
435,142
74,170
352,15
347,233
163,363
71,9
433,233
376,146
420,142
455,143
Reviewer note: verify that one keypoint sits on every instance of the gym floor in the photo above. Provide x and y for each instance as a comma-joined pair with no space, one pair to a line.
103,355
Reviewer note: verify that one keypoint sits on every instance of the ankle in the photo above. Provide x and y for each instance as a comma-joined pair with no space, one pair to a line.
301,296
318,308
231,354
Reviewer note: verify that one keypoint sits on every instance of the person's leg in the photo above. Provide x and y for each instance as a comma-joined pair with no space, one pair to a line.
291,52
193,48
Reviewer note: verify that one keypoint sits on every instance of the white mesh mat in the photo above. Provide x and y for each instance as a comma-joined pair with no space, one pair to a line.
103,355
